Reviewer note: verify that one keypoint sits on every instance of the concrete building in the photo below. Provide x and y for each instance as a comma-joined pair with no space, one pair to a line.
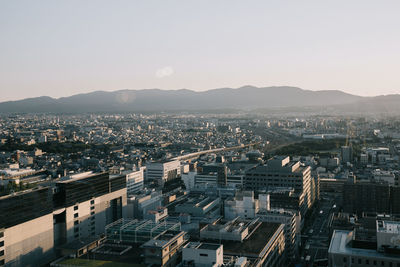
134,181
346,153
26,228
281,172
86,203
262,243
348,249
157,215
244,205
164,249
193,179
292,229
161,172
139,205
199,254
366,196
200,206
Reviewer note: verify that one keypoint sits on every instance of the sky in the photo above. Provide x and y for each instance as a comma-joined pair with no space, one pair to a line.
65,47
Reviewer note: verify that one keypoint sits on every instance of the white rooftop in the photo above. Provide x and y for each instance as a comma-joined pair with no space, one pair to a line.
390,227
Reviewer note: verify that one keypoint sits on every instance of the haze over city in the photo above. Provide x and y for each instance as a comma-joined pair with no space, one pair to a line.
61,48
199,133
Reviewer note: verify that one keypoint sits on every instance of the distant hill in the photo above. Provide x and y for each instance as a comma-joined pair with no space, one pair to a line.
247,97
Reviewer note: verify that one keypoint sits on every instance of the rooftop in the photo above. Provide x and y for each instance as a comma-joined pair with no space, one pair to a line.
390,227
255,244
341,244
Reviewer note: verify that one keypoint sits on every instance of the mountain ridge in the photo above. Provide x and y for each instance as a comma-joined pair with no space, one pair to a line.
245,97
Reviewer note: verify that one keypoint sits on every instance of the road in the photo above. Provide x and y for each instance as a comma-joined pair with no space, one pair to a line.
317,242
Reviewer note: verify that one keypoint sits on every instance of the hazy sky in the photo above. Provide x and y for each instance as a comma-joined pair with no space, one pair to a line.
60,48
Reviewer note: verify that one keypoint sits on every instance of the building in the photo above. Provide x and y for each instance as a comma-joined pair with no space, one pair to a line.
288,199
262,243
161,172
26,228
139,205
164,249
132,231
200,206
244,205
347,154
292,229
193,179
199,254
86,203
281,172
157,215
366,196
134,181
347,248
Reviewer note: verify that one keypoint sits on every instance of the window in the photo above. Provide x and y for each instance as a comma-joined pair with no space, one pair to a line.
92,202
203,255
76,222
1,243
1,252
76,230
92,213
76,215
76,207
366,261
92,207
1,234
344,259
359,261
2,262
76,235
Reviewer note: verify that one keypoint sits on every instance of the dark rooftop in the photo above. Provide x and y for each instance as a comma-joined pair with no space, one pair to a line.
254,245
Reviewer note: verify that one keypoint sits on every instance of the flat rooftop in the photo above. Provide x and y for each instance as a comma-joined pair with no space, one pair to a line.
77,177
255,244
341,244
390,227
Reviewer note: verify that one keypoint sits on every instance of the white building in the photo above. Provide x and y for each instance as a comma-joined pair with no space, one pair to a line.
344,250
139,205
193,179
203,254
292,228
162,172
134,181
244,205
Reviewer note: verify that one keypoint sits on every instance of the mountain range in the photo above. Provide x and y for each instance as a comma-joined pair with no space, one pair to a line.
243,98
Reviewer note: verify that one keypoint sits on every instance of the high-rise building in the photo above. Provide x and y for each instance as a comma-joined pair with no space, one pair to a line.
86,203
134,181
346,153
161,172
26,228
366,196
280,172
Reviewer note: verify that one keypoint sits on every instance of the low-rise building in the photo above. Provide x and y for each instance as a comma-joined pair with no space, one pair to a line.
262,243
164,249
380,248
199,254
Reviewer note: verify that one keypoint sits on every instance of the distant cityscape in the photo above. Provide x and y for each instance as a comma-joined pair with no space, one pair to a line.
199,189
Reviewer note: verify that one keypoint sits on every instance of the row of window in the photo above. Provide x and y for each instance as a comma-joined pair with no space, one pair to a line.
369,262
